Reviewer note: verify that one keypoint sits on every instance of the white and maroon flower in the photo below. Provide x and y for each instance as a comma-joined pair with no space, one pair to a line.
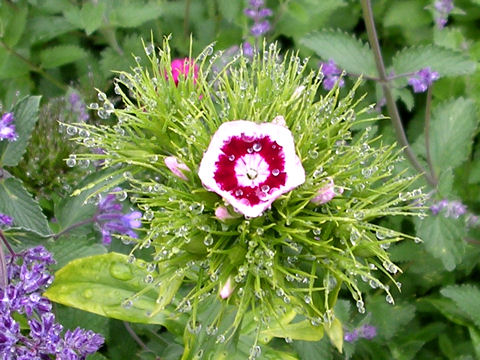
250,165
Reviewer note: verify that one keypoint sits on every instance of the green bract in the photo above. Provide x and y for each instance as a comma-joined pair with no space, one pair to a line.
288,264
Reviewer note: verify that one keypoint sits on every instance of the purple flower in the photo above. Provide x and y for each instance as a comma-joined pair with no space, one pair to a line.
78,107
247,49
7,129
332,75
351,336
111,219
422,79
368,331
258,13
5,220
453,209
28,277
442,9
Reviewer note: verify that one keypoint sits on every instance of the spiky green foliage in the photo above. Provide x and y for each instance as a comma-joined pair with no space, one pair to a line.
294,258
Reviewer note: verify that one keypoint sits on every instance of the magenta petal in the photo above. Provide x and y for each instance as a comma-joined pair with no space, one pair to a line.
250,165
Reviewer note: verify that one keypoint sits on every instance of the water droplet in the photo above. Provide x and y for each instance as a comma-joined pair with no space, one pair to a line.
367,172
148,279
71,161
359,215
307,299
131,259
389,299
72,130
380,235
121,196
317,231
265,188
93,106
127,304
275,172
286,299
313,154
208,241
360,304
196,208
288,340
120,271
255,352
148,215
250,150
417,240
260,231
231,157
88,294
257,147
238,192
220,339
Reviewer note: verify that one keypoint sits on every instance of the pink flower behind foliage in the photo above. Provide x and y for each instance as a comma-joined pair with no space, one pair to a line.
250,165
181,69
175,167
227,289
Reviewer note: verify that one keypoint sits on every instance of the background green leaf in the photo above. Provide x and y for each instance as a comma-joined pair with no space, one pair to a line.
61,55
466,297
16,202
25,116
348,52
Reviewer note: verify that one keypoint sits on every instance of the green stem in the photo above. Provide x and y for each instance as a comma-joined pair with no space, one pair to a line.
391,105
428,108
2,236
73,226
34,67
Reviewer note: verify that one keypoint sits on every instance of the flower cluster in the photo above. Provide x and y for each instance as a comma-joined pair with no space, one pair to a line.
7,128
423,79
365,331
258,13
78,107
332,74
5,220
111,219
28,276
442,9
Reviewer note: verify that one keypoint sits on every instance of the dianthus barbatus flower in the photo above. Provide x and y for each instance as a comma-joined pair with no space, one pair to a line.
181,68
250,165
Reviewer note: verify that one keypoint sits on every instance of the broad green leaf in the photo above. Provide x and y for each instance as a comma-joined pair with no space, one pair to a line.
12,23
348,52
443,238
92,16
60,55
309,350
445,183
112,60
44,28
11,68
22,238
133,15
25,115
389,319
229,9
16,202
452,130
398,11
467,298
71,318
445,61
302,330
102,283
450,310
334,331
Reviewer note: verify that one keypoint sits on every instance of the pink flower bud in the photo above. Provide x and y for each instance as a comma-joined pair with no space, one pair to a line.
326,193
181,69
223,214
176,167
227,289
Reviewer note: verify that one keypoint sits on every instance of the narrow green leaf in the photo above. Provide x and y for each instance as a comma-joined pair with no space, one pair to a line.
467,298
25,116
101,283
452,130
16,202
445,61
348,52
302,330
60,55
475,336
443,238
334,331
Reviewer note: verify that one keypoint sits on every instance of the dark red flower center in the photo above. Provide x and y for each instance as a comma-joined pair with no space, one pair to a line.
250,168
